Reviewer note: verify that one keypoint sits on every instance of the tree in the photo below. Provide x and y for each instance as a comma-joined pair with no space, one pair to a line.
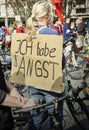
22,7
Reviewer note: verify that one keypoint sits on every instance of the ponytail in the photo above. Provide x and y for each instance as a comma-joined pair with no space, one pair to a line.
31,26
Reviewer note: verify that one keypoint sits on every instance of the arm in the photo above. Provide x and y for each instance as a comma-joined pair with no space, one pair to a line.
14,99
11,101
2,95
7,100
66,31
13,92
9,86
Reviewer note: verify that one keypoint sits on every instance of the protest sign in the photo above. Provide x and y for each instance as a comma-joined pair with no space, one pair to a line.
37,62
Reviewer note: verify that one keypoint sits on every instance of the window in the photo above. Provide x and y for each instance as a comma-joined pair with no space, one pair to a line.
80,1
81,10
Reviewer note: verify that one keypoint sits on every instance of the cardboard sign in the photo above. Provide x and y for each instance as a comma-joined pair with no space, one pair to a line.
37,62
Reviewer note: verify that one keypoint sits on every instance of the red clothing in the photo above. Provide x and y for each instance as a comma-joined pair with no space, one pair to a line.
60,29
56,28
18,30
58,6
6,31
56,1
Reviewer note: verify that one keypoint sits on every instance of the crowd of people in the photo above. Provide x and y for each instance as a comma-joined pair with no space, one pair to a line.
39,22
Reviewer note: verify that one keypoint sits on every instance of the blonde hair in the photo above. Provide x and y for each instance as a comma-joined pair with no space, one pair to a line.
39,10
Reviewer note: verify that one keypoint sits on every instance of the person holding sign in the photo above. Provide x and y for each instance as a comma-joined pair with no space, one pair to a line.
9,97
41,16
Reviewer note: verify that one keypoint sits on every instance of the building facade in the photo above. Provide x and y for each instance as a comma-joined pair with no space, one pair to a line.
6,13
76,7
72,7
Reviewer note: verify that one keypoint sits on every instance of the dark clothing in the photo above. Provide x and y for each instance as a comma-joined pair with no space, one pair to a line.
2,80
88,24
6,120
67,31
3,88
2,96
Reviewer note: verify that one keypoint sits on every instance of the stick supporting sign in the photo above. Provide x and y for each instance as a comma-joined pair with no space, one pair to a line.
37,62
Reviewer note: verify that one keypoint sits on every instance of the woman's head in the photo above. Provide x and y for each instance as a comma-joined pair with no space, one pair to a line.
41,15
40,10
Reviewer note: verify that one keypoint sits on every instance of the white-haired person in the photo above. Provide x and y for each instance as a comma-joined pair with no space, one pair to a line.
39,23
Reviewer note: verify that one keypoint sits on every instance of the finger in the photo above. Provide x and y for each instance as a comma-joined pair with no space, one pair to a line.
23,99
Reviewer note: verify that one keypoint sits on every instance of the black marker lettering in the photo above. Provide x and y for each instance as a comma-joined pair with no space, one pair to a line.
38,70
53,70
44,68
29,67
22,66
